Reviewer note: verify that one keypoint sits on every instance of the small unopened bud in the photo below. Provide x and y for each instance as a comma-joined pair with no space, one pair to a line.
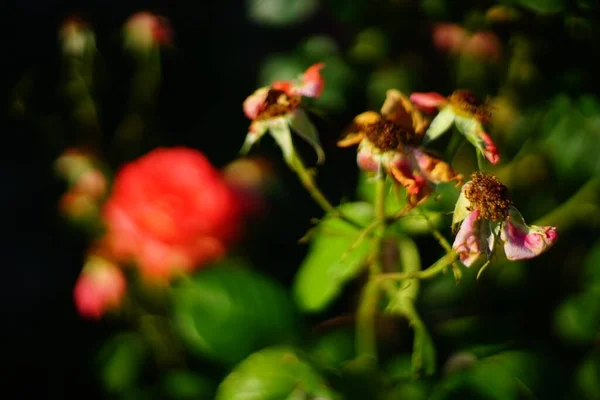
76,37
484,45
78,207
144,31
100,288
449,37
502,14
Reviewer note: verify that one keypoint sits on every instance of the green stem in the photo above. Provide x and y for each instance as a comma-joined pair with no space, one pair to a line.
366,346
438,267
308,182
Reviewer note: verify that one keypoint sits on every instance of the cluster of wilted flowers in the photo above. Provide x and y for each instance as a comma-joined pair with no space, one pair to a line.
392,142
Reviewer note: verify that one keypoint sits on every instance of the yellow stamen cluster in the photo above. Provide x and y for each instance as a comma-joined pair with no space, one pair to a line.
488,195
383,133
467,102
278,103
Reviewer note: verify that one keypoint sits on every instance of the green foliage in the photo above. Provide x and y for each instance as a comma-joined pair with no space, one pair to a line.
570,131
280,12
334,258
334,348
227,311
273,374
182,385
122,359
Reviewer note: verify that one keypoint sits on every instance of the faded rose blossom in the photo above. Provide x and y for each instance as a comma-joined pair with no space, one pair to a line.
171,212
488,217
484,46
80,169
463,110
78,206
277,109
390,142
100,288
76,37
144,31
449,38
252,179
454,39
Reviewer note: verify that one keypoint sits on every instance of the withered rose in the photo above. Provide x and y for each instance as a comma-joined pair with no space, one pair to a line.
390,142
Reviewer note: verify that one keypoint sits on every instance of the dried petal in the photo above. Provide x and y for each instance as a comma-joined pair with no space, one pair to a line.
312,81
522,242
398,109
255,103
468,242
428,102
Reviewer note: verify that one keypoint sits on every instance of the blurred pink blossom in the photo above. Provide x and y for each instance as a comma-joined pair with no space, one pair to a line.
100,288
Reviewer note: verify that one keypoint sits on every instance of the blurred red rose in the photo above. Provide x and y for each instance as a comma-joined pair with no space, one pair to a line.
100,287
170,211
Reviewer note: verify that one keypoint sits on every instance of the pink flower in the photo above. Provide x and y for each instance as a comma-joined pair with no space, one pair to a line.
449,37
76,37
483,45
100,288
488,216
171,212
390,142
462,110
277,109
145,30
452,38
429,102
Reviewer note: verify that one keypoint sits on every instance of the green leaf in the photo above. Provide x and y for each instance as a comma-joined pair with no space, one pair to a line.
587,384
440,124
544,6
280,131
335,347
121,360
275,373
577,319
300,123
331,262
226,312
371,46
280,12
187,385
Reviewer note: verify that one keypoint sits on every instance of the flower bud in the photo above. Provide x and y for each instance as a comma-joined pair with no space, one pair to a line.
449,37
100,288
484,45
76,37
144,30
